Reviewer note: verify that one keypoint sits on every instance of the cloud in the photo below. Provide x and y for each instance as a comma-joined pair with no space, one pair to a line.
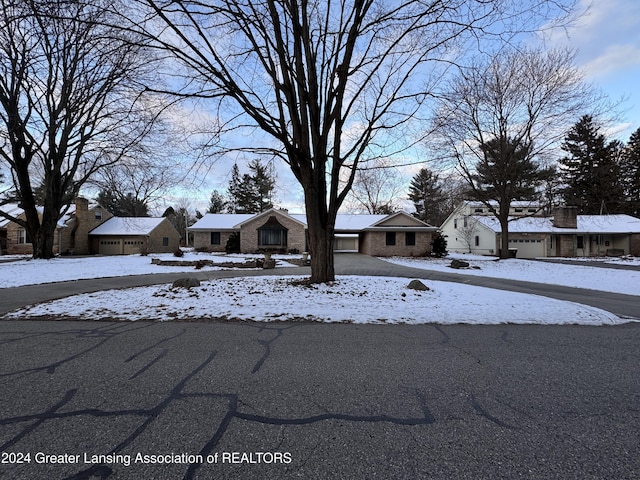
615,58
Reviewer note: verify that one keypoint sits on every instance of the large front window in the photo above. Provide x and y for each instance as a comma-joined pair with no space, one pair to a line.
272,234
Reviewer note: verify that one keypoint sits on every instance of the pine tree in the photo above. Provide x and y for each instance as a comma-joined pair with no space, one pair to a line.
426,193
217,203
251,193
122,206
263,184
630,172
506,172
591,171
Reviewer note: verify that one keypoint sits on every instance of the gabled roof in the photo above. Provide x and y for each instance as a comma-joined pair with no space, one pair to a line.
127,226
301,219
15,210
221,221
345,222
594,224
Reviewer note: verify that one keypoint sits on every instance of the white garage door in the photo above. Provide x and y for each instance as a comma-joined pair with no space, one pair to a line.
528,248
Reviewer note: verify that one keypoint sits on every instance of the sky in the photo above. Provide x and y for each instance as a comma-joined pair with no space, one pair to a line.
607,41
606,38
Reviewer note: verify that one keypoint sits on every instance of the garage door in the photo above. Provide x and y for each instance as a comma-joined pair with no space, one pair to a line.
528,248
346,243
110,246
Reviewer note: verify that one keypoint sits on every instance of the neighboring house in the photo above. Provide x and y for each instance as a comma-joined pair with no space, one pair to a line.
130,235
278,230
473,228
71,236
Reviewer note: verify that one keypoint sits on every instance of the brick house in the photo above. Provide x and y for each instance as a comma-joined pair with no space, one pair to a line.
72,231
278,230
131,235
87,228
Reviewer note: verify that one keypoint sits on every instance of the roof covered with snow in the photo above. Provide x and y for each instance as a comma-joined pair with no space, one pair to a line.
127,226
344,221
596,224
15,210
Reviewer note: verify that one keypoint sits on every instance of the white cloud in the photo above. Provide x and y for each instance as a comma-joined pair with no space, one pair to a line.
616,58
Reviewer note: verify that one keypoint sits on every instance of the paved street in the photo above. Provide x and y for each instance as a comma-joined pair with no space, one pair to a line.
195,400
296,400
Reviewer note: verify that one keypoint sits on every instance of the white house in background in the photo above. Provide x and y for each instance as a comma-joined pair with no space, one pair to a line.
471,227
278,230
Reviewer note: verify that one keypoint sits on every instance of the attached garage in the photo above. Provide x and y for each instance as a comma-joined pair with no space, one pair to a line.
134,235
528,248
346,242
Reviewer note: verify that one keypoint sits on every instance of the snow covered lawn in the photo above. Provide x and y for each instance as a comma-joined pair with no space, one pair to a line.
579,276
60,269
350,299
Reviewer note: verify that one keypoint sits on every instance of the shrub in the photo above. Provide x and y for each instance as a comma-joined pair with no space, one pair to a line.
233,244
178,253
439,245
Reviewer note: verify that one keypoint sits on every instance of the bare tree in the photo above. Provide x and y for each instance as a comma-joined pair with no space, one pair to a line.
144,179
377,188
70,103
502,117
329,82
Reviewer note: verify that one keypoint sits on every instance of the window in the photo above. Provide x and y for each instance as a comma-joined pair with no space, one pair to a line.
272,237
479,210
272,234
477,240
165,241
391,238
215,238
580,241
98,213
23,236
410,238
455,223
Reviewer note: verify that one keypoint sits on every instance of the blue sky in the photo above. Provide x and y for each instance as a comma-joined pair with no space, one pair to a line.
607,39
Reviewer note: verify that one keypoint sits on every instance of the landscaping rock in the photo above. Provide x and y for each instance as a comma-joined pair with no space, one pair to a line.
269,263
455,263
418,285
186,282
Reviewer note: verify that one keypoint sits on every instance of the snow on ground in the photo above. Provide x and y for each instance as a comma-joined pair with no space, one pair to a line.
60,269
579,276
350,299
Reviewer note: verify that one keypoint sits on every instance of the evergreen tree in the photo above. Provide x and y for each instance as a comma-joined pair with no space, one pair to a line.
217,203
591,170
122,206
426,193
630,172
263,184
250,193
506,172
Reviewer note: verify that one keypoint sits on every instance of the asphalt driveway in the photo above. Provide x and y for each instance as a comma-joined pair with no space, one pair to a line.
176,400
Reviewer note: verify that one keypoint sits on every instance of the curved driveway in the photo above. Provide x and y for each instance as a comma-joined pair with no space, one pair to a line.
627,306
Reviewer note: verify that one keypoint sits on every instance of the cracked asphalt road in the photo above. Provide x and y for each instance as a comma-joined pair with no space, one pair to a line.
304,400
336,400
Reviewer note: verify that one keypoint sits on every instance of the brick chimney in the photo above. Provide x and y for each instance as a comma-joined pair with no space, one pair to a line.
565,217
